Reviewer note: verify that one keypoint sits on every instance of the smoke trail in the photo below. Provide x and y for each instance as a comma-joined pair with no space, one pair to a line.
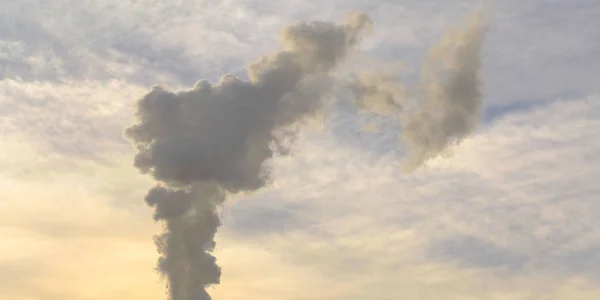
212,140
449,95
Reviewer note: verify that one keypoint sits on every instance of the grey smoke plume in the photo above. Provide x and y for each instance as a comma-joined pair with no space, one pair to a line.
449,96
212,140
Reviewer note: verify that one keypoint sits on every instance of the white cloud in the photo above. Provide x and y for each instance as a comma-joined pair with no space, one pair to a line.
73,124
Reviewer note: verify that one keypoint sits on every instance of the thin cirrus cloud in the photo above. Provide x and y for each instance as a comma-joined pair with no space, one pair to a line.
509,215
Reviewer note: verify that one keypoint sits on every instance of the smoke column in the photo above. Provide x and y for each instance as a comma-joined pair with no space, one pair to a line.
201,144
448,97
212,140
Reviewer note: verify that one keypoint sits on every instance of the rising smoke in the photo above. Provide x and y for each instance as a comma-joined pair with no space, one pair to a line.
213,139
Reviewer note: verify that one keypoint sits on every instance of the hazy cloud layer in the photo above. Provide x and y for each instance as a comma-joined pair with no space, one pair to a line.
138,37
510,215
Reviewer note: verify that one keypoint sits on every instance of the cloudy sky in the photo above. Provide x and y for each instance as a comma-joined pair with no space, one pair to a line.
511,214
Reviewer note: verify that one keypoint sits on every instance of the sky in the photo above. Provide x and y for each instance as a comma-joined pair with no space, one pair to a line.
509,214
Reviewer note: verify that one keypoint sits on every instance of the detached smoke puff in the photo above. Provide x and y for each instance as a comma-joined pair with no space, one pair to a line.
453,87
378,93
211,140
449,96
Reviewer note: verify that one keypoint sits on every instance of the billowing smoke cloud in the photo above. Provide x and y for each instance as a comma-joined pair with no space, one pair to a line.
212,140
448,97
